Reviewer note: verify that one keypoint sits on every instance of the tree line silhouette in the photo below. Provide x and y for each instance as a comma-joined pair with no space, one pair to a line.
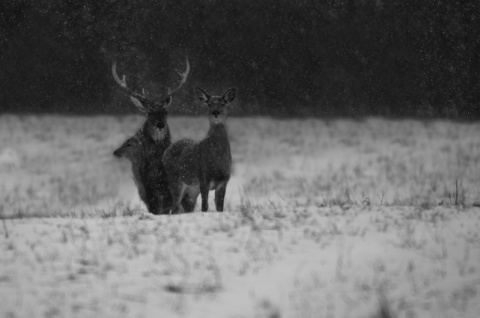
396,58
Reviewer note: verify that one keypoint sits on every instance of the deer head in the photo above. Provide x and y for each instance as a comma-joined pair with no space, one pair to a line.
130,149
217,105
155,110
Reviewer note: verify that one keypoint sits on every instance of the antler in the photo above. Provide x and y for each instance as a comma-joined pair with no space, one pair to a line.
183,75
123,83
145,104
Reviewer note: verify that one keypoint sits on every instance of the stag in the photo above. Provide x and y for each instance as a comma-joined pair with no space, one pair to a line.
151,142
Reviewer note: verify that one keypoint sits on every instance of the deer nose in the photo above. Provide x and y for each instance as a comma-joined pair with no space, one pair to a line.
116,153
216,113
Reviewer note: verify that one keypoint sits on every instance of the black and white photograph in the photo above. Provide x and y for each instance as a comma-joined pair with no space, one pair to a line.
240,158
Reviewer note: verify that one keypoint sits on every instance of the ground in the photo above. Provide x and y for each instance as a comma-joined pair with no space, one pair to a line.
324,218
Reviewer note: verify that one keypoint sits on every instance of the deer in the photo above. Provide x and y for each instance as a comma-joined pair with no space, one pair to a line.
146,148
155,126
197,166
148,172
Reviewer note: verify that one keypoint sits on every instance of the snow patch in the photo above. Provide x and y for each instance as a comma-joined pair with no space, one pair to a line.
10,159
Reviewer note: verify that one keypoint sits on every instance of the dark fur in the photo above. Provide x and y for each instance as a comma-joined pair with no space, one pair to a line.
148,172
148,169
150,143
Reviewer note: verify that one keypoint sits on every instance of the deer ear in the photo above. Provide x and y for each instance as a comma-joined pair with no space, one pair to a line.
139,104
202,95
229,95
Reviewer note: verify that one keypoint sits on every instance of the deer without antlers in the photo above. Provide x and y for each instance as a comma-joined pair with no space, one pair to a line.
145,149
196,167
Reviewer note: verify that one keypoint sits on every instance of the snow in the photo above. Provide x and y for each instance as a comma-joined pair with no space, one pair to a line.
335,218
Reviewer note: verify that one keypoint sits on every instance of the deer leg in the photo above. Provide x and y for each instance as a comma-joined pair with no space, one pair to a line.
159,205
165,205
185,201
204,188
189,202
188,205
190,198
166,199
178,191
220,196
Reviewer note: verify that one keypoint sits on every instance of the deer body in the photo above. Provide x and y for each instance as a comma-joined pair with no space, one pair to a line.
146,148
196,167
148,172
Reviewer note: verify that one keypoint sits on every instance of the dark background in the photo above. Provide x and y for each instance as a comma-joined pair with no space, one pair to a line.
395,58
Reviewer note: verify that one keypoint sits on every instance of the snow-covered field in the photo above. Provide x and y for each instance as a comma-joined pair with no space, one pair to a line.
340,218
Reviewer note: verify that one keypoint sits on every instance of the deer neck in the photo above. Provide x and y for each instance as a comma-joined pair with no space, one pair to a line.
158,136
217,132
217,140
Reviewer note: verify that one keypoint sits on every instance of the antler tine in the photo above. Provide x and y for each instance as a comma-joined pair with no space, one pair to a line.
123,83
183,76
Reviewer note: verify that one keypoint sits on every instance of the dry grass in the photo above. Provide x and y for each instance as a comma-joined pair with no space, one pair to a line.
340,218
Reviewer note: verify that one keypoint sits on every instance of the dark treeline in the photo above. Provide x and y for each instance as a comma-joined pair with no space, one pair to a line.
287,58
